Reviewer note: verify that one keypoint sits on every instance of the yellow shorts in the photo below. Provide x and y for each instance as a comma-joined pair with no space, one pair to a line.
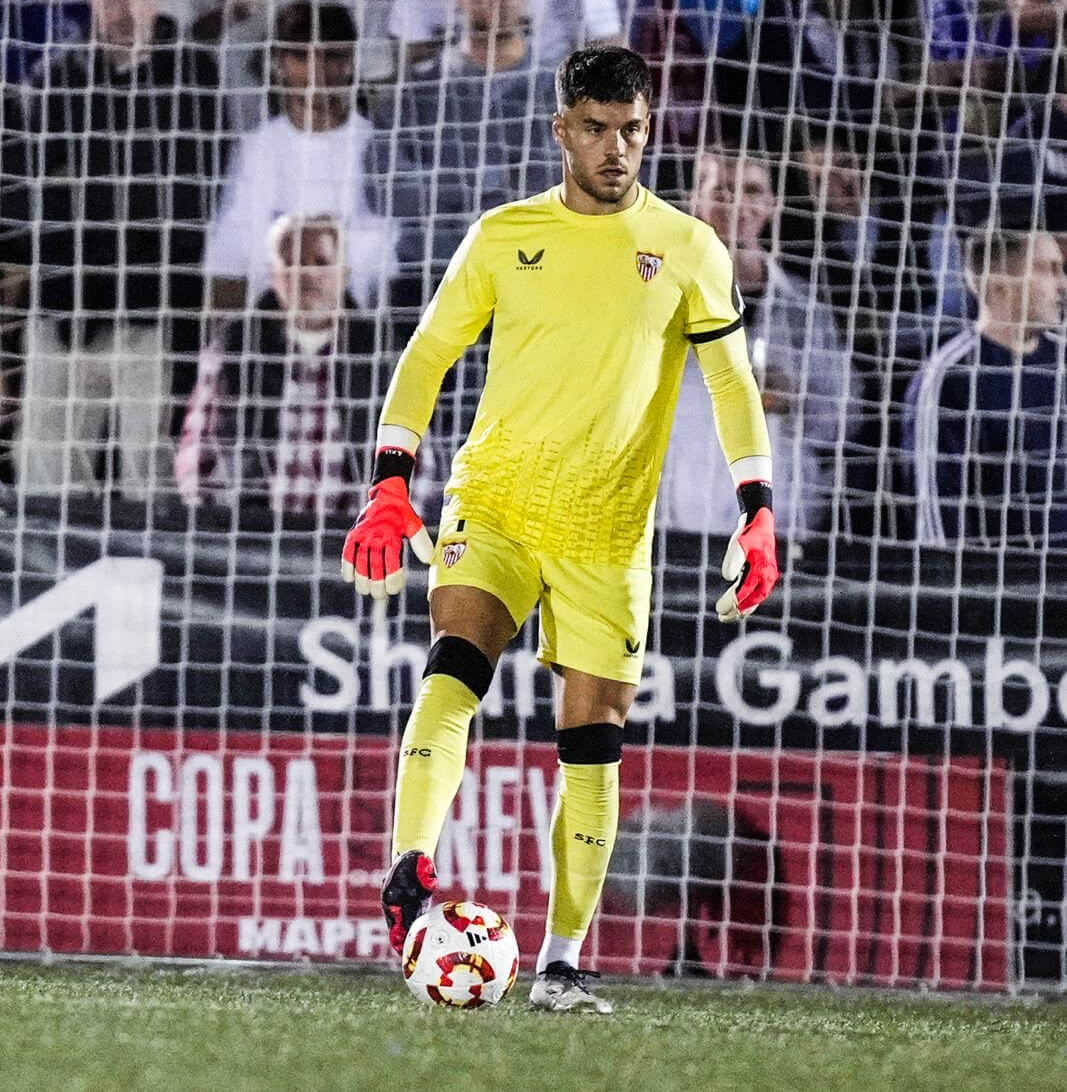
593,618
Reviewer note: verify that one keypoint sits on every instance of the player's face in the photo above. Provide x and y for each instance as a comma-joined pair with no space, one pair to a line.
736,200
602,143
309,275
316,83
124,22
837,174
1045,288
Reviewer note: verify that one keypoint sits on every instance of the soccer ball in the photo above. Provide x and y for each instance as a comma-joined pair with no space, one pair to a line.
461,954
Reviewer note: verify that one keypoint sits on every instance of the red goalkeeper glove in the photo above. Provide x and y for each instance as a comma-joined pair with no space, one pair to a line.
750,563
373,551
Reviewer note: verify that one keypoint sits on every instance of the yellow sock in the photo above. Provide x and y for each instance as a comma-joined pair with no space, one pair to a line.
433,754
583,835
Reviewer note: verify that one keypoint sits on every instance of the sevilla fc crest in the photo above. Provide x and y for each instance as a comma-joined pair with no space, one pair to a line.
452,553
648,264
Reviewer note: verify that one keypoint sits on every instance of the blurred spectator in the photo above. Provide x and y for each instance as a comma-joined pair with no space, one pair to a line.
15,256
700,55
316,157
986,423
286,405
981,51
849,51
15,178
803,373
207,20
1020,181
129,146
860,222
1045,17
240,31
480,123
863,225
33,34
816,59
424,27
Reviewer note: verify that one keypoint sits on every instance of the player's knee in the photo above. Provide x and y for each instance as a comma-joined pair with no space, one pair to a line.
462,660
590,744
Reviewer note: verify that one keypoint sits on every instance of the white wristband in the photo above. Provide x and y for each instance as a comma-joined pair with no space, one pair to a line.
398,436
752,468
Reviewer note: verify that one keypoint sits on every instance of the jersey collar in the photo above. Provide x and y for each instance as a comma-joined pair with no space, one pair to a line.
588,220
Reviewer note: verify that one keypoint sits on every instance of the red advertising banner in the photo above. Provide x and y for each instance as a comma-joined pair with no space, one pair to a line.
838,867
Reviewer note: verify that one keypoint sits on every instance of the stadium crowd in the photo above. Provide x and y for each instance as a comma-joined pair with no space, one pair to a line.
219,222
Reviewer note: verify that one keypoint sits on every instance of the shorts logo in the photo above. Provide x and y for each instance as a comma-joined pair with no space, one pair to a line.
452,553
632,647
648,265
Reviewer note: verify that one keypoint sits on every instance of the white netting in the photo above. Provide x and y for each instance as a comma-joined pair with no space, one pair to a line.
863,784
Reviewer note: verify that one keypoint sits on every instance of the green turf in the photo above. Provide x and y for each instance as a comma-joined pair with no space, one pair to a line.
93,1029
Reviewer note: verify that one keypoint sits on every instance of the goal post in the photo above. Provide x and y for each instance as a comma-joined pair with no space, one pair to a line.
862,784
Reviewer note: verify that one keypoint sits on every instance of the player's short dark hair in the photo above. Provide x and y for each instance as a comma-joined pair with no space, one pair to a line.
303,24
995,247
603,74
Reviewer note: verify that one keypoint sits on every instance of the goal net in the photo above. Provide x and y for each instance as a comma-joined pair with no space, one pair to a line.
861,784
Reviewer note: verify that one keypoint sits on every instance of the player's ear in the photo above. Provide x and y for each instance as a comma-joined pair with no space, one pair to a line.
973,282
648,126
557,127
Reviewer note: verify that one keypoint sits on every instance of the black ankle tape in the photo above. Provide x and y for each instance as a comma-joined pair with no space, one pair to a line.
456,656
590,744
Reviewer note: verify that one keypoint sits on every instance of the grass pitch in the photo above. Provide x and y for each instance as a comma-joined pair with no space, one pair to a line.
97,1029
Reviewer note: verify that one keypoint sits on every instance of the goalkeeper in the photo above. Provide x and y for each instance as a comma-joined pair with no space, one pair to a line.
596,289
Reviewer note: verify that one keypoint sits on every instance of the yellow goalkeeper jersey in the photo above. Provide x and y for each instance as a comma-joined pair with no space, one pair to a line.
592,319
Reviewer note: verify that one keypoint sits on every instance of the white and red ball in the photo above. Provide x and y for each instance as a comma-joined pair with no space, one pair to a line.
460,954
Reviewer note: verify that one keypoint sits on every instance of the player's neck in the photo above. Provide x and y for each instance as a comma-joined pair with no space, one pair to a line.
579,200
1009,333
750,268
316,117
